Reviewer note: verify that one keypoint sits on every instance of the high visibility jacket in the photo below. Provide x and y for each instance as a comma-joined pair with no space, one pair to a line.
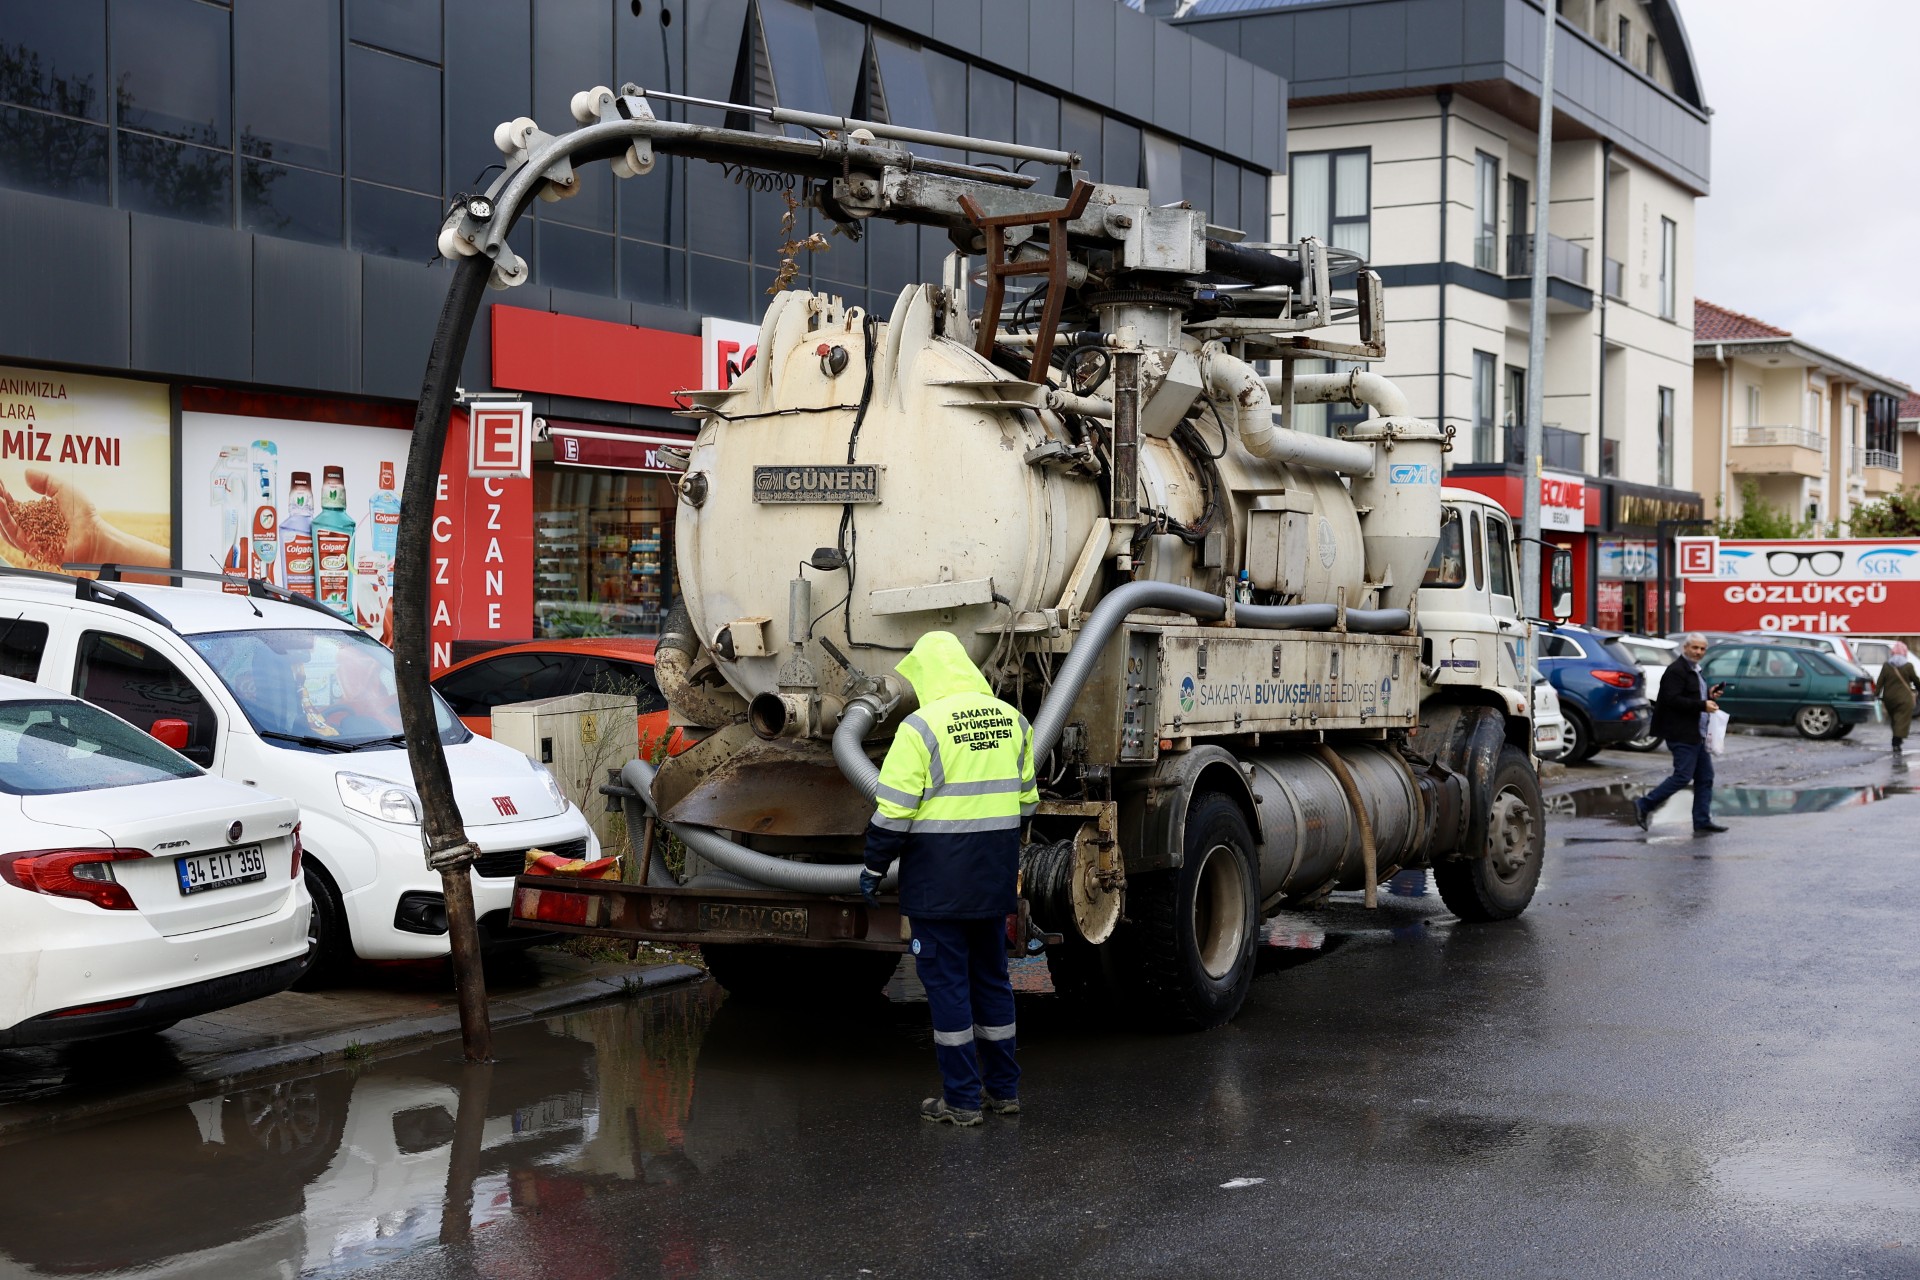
954,788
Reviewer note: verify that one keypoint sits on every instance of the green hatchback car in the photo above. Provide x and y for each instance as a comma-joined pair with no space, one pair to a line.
1819,695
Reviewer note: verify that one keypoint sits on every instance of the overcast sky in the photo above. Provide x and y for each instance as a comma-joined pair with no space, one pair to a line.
1814,220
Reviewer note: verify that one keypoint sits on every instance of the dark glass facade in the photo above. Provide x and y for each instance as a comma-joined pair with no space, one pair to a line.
352,123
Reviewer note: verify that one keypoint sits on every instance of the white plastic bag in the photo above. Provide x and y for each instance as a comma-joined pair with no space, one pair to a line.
1717,733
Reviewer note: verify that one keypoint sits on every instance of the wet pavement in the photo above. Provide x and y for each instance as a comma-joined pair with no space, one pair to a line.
1690,1057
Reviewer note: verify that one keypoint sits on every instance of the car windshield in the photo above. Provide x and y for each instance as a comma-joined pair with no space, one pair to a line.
56,745
324,688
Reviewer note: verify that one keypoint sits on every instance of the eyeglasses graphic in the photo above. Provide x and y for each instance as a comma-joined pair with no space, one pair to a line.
1783,564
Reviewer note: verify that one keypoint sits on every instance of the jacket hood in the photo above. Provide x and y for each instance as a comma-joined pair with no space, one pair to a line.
939,668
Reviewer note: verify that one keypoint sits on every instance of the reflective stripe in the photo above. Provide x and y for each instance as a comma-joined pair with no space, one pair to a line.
993,1033
905,799
955,826
951,1038
936,772
892,824
988,787
1029,809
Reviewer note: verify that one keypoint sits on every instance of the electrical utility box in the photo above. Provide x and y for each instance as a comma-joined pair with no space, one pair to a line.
579,736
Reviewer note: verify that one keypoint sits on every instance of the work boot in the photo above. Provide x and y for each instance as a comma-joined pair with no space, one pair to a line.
1001,1106
937,1111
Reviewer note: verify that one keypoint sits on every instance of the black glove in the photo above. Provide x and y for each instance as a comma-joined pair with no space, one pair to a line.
870,886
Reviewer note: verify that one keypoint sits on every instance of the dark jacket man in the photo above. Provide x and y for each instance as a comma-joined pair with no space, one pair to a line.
1681,702
954,789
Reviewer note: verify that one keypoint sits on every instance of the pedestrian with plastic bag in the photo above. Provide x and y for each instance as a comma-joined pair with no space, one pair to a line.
1682,715
1896,687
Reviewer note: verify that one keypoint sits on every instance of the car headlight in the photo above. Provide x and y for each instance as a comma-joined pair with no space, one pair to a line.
553,784
379,798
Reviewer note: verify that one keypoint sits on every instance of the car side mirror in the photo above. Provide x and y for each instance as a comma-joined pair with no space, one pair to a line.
171,732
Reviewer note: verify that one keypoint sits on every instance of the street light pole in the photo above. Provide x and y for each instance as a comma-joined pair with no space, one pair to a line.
1537,329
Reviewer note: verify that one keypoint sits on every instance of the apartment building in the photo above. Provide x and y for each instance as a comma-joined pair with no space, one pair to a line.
1411,134
1815,435
1909,418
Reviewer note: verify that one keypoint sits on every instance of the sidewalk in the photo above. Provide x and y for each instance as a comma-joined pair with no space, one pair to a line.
382,1008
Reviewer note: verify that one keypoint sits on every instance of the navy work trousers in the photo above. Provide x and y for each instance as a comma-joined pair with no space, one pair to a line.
1692,766
963,966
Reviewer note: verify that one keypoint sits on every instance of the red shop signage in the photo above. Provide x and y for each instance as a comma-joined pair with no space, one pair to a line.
482,554
1860,585
599,447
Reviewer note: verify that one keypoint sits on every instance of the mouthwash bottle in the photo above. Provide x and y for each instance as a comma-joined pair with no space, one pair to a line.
333,545
296,532
373,592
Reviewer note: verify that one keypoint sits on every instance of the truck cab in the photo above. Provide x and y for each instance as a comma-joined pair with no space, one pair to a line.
1472,627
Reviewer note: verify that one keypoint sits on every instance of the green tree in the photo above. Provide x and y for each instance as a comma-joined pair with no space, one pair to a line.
1759,518
1895,516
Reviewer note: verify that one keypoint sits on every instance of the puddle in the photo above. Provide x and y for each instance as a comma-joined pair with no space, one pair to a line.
1615,800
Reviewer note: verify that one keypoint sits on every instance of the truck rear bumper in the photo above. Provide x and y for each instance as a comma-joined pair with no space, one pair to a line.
673,914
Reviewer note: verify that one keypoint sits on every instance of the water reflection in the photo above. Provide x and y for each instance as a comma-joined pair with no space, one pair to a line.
1615,800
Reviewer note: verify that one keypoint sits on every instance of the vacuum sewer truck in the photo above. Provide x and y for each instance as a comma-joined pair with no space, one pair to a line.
1261,663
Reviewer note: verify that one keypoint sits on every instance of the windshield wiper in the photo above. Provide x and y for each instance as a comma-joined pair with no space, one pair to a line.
306,740
391,740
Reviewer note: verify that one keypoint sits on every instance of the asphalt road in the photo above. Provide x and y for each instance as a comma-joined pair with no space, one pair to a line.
1690,1057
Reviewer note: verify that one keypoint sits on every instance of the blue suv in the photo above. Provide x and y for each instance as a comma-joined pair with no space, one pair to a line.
1602,691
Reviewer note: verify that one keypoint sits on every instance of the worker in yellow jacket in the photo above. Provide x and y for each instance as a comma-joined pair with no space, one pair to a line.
955,787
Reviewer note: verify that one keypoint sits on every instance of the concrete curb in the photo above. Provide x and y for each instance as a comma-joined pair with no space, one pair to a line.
378,1040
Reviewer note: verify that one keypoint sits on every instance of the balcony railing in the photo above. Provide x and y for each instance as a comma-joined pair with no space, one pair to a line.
1486,251
1799,436
1561,449
1616,278
1565,259
1884,459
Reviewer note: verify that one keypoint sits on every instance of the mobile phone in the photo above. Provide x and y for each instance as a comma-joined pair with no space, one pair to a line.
1717,690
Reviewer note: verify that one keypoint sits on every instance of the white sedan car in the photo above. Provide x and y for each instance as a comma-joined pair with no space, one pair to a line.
1653,656
1549,722
135,888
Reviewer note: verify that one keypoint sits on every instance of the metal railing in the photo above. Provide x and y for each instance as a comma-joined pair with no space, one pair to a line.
1561,449
1565,259
1886,460
1615,276
1799,436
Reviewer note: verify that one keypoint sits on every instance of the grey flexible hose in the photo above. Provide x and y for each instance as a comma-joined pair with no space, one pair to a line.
1113,610
856,722
777,873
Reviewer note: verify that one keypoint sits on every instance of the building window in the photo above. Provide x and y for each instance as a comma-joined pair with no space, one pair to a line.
1486,210
1626,34
1519,244
1653,54
1486,445
1331,198
1664,436
1669,269
1753,406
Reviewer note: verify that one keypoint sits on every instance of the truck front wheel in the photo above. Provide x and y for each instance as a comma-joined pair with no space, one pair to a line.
1189,938
1499,882
764,973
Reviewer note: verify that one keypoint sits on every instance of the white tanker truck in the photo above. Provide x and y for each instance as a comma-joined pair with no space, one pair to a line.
1261,664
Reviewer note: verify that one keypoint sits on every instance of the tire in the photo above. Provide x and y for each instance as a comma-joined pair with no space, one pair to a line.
1580,744
1187,946
329,947
1499,883
1843,731
1651,742
767,973
1817,721
1080,977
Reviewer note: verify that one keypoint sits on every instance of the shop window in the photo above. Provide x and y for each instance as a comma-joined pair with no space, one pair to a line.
171,64
21,644
603,551
137,683
286,67
53,155
171,179
57,55
393,121
295,204
411,27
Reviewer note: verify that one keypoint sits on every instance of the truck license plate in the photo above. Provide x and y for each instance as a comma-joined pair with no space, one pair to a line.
745,917
202,871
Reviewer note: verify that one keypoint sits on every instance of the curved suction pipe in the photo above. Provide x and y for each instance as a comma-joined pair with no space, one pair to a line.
777,873
1238,385
1356,386
1113,610
856,722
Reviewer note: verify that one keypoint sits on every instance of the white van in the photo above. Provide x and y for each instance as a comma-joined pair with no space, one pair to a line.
283,695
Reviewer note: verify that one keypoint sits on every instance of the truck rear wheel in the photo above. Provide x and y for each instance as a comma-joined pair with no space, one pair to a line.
764,973
1498,884
1190,933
